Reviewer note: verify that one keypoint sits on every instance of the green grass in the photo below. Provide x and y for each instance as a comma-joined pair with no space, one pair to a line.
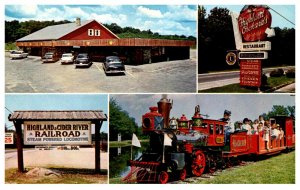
10,46
117,180
13,177
275,81
275,170
124,143
272,82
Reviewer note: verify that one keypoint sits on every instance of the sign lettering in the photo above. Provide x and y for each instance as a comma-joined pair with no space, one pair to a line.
253,23
250,72
57,132
9,138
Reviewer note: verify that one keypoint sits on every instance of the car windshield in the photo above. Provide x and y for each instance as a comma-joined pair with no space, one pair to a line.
67,55
113,59
82,56
49,54
16,52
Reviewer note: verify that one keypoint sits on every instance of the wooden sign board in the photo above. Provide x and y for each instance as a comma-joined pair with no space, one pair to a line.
57,132
250,72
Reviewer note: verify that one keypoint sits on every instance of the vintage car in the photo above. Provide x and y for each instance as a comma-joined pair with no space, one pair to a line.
15,54
113,64
49,57
67,58
82,60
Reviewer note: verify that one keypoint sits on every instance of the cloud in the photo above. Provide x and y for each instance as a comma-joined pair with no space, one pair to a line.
22,10
166,20
149,12
181,13
110,18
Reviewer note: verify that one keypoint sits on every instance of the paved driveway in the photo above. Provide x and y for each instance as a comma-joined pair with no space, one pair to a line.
30,75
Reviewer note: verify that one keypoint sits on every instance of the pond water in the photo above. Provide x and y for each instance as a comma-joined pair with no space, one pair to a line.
118,157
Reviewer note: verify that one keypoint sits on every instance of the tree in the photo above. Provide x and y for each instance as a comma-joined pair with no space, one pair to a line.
120,122
280,110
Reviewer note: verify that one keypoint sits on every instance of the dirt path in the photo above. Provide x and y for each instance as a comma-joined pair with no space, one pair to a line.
83,158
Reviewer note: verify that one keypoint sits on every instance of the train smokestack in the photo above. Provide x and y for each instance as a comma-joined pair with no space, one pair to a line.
164,108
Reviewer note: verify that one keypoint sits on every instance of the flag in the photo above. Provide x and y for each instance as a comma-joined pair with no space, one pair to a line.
167,140
135,141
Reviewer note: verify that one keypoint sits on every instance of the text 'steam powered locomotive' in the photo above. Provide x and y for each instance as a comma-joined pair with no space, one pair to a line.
198,145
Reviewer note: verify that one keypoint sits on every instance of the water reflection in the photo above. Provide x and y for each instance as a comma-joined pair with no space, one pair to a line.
118,158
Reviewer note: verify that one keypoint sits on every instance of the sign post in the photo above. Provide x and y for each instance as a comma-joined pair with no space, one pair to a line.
57,127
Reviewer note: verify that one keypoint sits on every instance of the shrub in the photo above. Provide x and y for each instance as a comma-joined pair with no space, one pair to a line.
290,73
277,73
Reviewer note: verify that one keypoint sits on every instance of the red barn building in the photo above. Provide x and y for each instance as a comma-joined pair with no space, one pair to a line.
97,40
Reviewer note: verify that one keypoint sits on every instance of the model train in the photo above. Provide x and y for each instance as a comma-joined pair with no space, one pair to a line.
197,145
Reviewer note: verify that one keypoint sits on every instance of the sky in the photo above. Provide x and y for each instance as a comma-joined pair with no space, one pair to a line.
241,106
287,11
164,19
15,102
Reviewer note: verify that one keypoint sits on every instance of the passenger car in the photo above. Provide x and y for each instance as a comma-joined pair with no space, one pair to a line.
50,57
67,58
82,60
113,64
15,54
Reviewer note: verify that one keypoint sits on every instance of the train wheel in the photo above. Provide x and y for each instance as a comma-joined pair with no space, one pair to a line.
198,164
182,174
163,177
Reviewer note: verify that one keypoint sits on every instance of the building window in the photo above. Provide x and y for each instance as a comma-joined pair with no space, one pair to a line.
97,32
91,32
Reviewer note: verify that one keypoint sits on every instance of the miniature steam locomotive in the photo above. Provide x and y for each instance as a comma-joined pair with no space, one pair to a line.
197,146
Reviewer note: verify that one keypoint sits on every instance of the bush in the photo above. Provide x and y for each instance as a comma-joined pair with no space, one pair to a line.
277,73
290,73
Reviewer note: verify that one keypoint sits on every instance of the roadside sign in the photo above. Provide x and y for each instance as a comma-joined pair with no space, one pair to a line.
57,132
253,55
231,58
253,23
250,72
9,138
256,46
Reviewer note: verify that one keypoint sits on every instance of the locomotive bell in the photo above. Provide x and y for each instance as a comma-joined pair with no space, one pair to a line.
164,108
197,118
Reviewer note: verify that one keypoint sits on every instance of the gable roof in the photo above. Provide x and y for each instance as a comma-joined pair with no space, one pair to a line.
58,115
57,31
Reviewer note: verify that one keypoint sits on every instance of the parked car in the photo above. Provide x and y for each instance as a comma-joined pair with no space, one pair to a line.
82,60
67,58
15,54
113,64
50,57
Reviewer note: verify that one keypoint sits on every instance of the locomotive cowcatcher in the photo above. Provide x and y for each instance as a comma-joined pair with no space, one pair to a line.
197,145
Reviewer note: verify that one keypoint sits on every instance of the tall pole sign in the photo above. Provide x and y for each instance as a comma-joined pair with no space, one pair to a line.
254,24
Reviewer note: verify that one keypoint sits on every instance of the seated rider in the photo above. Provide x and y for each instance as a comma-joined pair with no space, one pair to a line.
229,127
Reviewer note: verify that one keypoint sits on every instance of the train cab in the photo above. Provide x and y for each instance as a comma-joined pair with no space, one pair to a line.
214,129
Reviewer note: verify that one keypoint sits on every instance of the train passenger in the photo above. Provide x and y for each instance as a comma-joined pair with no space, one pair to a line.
260,127
255,124
246,126
281,136
261,119
238,126
266,136
229,127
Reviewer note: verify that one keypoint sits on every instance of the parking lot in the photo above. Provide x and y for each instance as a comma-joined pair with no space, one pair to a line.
29,75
